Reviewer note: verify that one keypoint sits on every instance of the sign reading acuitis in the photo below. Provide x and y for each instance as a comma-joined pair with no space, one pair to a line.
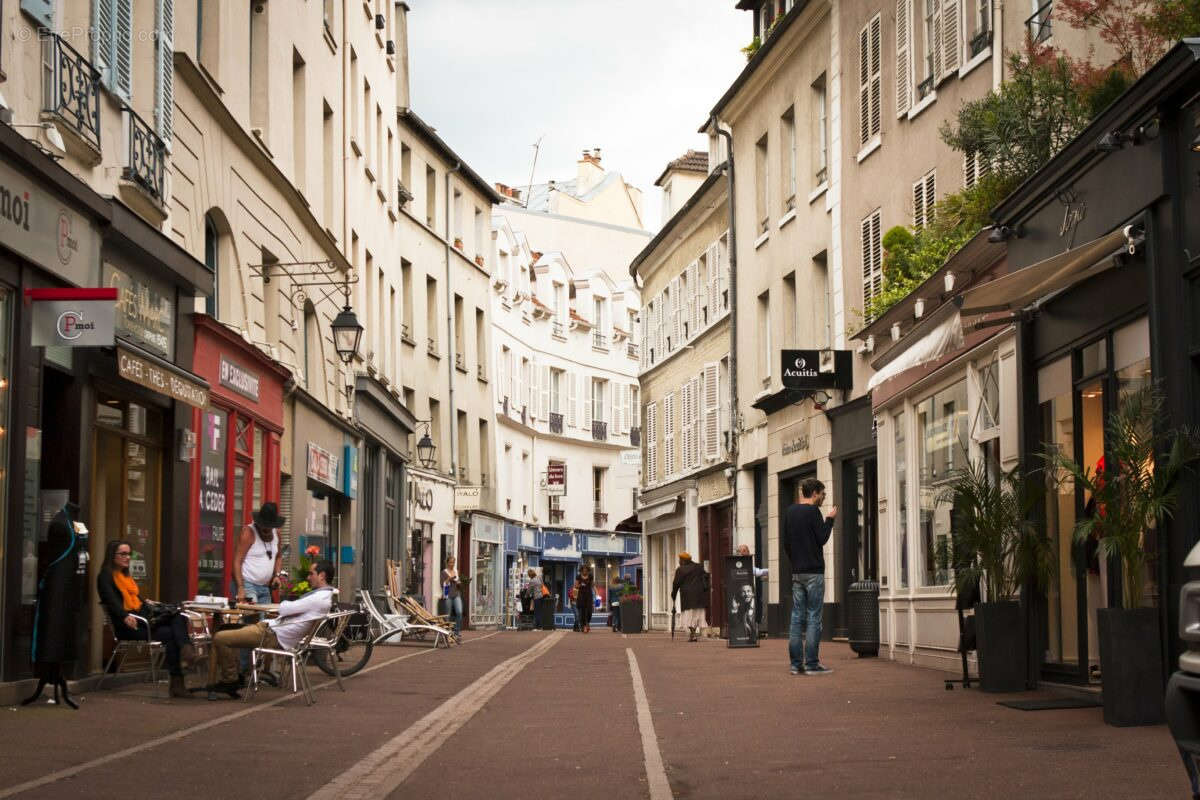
817,369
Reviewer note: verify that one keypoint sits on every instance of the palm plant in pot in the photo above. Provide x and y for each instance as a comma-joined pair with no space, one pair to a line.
996,545
1132,490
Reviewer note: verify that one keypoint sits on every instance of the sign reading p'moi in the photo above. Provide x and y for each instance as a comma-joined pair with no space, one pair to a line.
73,317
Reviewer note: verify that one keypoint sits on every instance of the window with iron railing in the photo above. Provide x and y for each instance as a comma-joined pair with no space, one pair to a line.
556,422
460,362
599,430
599,340
71,88
145,155
1038,23
556,328
631,349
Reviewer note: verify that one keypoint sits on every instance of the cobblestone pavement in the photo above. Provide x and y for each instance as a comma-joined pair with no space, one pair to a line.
533,714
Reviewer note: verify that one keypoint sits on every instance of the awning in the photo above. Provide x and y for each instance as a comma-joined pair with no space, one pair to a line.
947,336
1017,290
656,510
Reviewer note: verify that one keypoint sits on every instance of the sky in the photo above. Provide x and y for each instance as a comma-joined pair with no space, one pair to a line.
633,77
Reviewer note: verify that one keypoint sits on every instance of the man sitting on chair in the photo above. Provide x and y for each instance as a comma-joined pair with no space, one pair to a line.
295,619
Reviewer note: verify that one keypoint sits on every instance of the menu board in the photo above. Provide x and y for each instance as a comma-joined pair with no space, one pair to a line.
210,564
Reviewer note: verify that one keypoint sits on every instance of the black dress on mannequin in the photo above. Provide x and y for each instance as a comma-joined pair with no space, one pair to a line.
58,606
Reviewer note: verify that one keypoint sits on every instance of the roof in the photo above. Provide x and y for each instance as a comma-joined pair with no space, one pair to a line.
539,193
430,137
691,161
666,230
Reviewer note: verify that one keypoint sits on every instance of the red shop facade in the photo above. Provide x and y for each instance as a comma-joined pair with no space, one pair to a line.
237,445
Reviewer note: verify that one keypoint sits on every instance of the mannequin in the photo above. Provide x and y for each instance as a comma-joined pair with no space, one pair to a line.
58,606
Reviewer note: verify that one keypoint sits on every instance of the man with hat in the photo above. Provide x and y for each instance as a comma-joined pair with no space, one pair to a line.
256,561
691,582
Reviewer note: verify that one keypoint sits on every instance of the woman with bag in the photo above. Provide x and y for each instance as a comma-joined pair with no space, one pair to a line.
452,591
584,590
119,596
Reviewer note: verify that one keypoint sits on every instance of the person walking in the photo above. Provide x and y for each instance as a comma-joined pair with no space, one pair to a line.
691,583
584,594
615,589
805,532
452,591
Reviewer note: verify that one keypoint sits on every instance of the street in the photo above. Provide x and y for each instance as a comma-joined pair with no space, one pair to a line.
520,714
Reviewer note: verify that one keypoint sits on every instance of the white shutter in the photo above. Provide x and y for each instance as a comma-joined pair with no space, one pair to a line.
864,86
677,311
164,83
903,56
651,444
668,466
535,393
939,56
951,37
570,377
685,428
696,421
642,338
621,413
545,393
876,75
714,288
102,39
123,49
588,411
520,399
712,411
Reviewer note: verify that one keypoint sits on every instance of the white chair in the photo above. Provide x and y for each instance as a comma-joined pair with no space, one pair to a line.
295,659
390,625
153,650
324,641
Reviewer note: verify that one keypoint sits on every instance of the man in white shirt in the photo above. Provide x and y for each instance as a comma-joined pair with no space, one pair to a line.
295,620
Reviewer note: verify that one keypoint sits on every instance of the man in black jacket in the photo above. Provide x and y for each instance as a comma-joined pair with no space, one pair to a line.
690,582
805,533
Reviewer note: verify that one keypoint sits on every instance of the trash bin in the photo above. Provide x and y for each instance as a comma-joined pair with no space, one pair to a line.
544,610
862,609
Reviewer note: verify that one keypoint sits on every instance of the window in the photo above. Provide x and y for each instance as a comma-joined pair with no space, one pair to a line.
822,309
258,63
112,45
821,139
431,315
406,166
327,162
787,158
355,110
598,405
791,325
978,24
930,51
299,128
456,207
464,461
480,243
480,343
211,258
406,291
556,383
761,177
164,67
598,488
924,197
942,448
460,337
764,330
651,475
901,458
975,166
869,81
872,257
430,196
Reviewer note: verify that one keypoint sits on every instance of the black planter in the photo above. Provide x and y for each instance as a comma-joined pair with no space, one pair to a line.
1001,646
631,616
1131,666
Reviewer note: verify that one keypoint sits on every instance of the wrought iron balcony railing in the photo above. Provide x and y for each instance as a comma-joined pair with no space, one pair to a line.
599,430
635,437
599,340
556,422
556,328
460,361
631,349
600,518
1038,23
71,88
146,155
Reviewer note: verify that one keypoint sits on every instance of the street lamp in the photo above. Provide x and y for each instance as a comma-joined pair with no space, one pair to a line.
426,448
347,332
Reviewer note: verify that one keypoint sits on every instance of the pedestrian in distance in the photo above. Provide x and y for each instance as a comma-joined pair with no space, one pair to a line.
692,585
615,589
452,591
584,592
805,532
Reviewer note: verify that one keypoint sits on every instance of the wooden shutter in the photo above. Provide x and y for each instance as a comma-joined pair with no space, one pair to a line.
872,266
714,289
668,465
164,85
695,292
644,341
43,11
712,411
123,49
938,44
697,419
571,416
545,412
677,312
864,86
685,428
876,75
903,56
589,413
951,36
102,38
651,443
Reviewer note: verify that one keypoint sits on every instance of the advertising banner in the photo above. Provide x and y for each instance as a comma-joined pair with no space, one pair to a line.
210,551
556,479
741,602
73,317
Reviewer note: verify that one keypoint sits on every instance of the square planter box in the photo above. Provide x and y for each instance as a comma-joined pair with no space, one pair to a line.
631,616
1001,646
1131,666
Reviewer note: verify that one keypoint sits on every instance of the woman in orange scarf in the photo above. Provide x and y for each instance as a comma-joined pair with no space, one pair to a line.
120,598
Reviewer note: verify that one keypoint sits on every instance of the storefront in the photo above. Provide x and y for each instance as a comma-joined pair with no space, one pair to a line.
325,447
431,534
385,425
239,464
715,528
487,571
854,462
669,523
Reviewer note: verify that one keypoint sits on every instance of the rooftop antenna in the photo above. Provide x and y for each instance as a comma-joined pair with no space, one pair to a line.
537,146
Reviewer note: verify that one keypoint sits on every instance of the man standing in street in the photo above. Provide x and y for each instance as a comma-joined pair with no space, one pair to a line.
805,533
690,582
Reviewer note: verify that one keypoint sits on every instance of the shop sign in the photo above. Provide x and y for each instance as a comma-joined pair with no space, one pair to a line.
72,317
145,309
556,479
631,458
239,379
322,465
210,550
143,372
817,369
36,225
467,498
421,494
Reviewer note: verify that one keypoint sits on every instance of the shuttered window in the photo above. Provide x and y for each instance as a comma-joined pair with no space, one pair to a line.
872,257
975,166
112,45
924,197
164,86
712,411
651,444
903,56
870,81
669,423
951,37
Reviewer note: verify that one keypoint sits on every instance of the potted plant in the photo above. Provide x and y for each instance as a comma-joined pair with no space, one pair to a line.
297,584
1130,491
458,242
631,609
996,546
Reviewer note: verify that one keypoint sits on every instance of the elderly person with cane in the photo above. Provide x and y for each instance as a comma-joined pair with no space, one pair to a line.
691,583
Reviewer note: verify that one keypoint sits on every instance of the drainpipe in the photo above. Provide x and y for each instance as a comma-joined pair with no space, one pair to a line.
453,424
734,416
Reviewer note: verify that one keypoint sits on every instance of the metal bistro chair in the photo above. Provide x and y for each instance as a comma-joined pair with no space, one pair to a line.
398,625
200,636
295,657
324,641
153,649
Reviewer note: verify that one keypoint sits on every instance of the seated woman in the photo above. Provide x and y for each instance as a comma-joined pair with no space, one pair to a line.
119,596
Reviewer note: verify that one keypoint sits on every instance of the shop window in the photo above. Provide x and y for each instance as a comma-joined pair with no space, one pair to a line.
900,440
942,445
259,456
243,428
29,557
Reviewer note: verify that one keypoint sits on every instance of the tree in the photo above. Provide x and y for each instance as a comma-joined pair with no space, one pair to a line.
1174,19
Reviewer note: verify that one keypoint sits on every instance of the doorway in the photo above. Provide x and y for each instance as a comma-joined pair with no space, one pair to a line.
859,513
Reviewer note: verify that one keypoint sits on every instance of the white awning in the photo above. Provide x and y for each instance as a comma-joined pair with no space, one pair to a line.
656,510
1016,290
946,337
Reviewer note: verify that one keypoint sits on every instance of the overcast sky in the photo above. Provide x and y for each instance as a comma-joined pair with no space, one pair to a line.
632,77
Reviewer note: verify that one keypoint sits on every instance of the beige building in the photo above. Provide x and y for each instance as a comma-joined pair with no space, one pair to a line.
686,502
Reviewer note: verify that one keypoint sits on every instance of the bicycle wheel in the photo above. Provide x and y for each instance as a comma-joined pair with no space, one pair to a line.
352,653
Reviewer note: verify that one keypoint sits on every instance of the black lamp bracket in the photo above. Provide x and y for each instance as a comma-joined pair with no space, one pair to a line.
304,276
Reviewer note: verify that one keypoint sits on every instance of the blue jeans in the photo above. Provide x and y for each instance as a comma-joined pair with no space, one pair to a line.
808,599
455,605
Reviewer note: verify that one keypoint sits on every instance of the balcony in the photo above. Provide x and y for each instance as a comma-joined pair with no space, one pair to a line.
71,90
635,437
599,431
556,422
406,335
980,42
483,479
556,515
431,347
460,362
145,155
556,329
631,349
481,373
1038,23
599,340
599,519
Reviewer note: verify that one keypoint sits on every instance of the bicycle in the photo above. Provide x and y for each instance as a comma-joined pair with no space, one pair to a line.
354,645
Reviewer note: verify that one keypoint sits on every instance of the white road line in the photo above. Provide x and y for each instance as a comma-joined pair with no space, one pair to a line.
70,772
382,772
656,773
